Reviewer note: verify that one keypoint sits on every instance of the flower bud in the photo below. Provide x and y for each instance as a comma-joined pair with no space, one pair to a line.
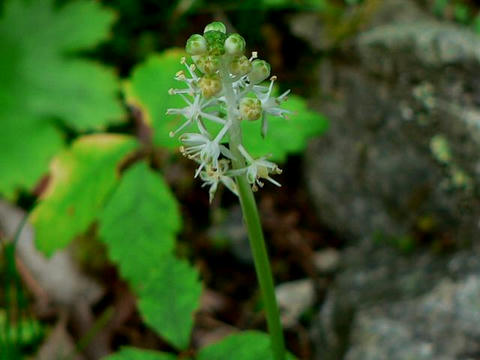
260,71
207,64
210,85
240,66
250,108
215,42
235,45
196,45
215,26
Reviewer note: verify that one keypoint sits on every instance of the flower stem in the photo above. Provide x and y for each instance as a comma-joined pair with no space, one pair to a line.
262,266
254,227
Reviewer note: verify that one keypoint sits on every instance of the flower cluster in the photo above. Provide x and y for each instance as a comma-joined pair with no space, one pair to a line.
223,86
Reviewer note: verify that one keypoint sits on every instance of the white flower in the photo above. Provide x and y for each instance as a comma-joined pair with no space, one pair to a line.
213,176
204,150
223,94
197,105
257,169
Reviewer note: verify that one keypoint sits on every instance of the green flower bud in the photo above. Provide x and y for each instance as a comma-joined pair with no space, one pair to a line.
210,85
235,45
215,42
260,71
240,66
215,26
250,108
196,45
207,64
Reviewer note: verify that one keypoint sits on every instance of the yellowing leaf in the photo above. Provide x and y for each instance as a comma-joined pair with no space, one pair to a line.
81,179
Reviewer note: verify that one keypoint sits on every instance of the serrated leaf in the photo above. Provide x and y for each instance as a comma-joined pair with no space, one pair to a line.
148,90
169,299
81,178
42,80
284,136
129,353
248,345
139,223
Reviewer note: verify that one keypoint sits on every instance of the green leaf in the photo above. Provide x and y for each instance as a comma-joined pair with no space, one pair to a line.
129,353
139,223
81,178
148,90
42,77
26,147
284,136
462,13
169,299
476,24
248,345
305,5
41,80
440,6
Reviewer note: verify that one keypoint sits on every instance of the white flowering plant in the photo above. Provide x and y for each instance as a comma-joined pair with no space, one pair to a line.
223,86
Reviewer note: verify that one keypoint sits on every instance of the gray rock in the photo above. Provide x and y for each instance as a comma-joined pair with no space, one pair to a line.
321,30
384,305
413,329
401,159
327,260
294,298
401,156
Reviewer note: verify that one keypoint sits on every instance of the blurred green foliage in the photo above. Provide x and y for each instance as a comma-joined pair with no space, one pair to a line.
128,353
44,86
249,345
19,331
461,11
61,115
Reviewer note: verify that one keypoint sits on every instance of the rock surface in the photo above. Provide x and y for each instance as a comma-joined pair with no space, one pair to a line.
402,154
294,298
400,164
384,305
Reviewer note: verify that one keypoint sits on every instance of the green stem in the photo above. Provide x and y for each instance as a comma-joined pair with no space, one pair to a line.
254,228
262,266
